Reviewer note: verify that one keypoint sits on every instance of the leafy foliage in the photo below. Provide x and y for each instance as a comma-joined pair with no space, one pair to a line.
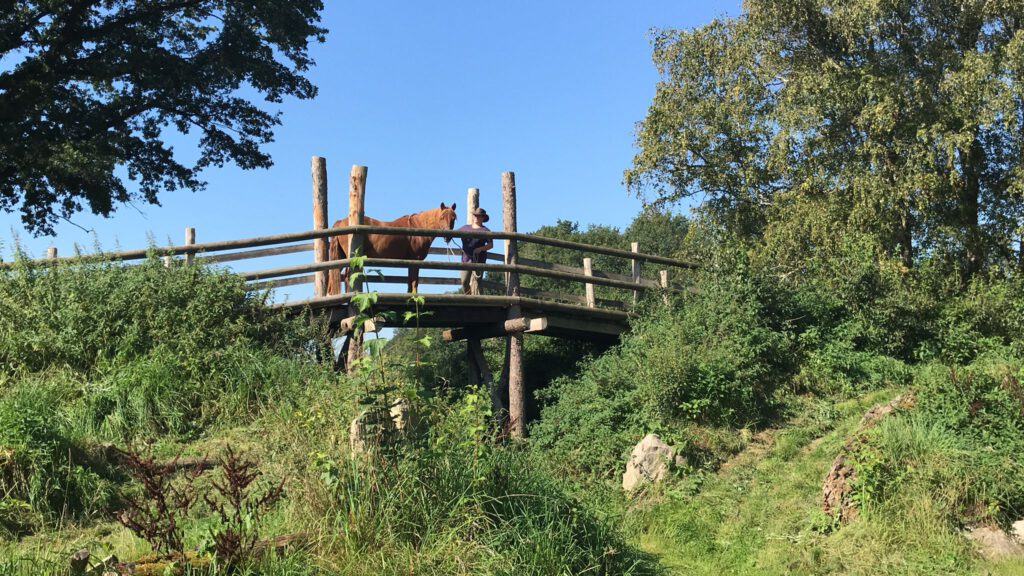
806,122
91,86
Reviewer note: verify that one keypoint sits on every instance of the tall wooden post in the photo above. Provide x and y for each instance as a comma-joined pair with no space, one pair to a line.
513,342
472,203
635,248
51,252
190,239
320,245
663,276
356,199
588,270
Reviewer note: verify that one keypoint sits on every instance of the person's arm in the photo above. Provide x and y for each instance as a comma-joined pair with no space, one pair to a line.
484,248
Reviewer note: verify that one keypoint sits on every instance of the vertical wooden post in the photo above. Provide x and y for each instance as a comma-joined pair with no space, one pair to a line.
513,342
320,245
472,203
663,276
190,239
167,261
51,252
588,270
356,200
634,247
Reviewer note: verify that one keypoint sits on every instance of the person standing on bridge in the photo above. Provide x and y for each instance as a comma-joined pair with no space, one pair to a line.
474,250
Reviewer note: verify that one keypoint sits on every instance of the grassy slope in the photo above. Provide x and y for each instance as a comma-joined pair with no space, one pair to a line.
760,514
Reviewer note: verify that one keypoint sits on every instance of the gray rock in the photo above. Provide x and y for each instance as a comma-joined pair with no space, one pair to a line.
651,461
1018,531
380,427
994,544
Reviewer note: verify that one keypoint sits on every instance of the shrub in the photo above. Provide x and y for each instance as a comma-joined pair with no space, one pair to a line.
960,448
88,316
712,360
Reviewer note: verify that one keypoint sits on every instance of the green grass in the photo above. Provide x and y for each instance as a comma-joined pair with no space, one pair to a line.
761,513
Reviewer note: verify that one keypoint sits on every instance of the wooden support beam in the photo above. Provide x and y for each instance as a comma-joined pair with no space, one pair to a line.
349,324
634,247
562,324
356,203
513,342
512,326
498,405
663,277
320,245
472,203
190,240
588,270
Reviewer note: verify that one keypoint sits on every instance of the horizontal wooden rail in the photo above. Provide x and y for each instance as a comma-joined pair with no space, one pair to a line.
597,273
384,230
433,265
261,253
461,300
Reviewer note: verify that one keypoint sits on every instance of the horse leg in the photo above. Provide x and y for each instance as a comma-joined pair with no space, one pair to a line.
414,280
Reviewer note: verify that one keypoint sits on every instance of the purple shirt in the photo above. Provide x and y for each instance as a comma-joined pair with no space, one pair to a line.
469,245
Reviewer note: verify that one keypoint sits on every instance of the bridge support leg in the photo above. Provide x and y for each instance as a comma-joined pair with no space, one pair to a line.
482,372
513,370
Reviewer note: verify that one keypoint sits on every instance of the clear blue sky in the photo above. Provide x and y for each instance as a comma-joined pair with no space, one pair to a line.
436,98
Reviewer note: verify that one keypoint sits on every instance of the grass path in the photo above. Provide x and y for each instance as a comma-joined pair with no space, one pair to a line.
760,514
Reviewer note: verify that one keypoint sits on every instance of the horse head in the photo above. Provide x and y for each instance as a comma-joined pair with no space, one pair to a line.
446,219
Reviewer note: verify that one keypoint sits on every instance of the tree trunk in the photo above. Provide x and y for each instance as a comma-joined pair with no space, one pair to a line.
972,162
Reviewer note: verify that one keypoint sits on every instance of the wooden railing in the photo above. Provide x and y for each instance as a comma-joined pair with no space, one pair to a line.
230,251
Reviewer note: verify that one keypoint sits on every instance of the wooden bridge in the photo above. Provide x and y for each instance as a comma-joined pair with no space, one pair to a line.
500,306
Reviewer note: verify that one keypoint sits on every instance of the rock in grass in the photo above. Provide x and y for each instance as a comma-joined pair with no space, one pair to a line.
381,427
994,544
651,461
837,490
1018,531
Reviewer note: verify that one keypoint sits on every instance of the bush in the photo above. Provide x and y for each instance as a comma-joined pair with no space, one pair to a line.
89,316
712,360
960,448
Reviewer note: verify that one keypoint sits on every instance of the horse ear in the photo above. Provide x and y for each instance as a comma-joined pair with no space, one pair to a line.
442,206
453,207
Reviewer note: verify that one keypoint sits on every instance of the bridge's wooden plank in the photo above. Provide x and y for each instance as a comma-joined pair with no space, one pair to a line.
261,253
531,306
513,326
428,264
315,234
597,273
456,252
282,282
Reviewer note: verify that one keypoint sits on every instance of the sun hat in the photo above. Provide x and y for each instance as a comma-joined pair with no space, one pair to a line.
482,214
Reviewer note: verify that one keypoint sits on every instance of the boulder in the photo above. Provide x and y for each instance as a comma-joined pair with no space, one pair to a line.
1018,531
651,461
837,490
381,426
994,544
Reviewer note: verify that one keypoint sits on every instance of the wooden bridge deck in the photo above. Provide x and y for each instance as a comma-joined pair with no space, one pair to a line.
482,316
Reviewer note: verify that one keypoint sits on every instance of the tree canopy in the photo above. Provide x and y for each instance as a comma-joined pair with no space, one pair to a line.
89,88
803,122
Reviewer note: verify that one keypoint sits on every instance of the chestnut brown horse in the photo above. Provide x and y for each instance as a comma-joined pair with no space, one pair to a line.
389,246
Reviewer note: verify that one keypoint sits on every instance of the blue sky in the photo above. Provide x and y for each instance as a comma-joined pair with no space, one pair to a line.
436,98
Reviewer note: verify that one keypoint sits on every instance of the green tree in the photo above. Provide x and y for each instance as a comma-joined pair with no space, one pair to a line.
806,121
89,88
